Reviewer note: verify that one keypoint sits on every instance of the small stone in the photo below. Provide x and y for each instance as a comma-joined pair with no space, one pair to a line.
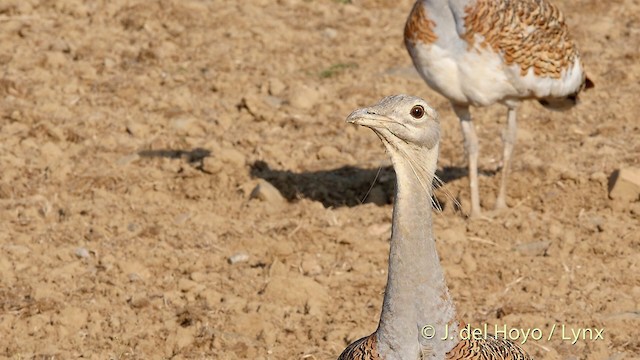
598,176
199,277
186,285
305,97
536,248
470,264
82,253
266,192
212,165
238,258
185,336
109,63
257,106
274,102
570,175
127,159
139,300
59,44
55,59
231,156
624,184
310,266
330,33
276,87
137,129
186,126
328,153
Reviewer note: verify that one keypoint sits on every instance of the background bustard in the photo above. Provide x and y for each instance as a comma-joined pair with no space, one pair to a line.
480,52
416,294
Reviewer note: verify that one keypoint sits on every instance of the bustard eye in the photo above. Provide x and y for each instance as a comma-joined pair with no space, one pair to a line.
417,111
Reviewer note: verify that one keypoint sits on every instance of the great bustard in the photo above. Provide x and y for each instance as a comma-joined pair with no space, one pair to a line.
416,295
481,52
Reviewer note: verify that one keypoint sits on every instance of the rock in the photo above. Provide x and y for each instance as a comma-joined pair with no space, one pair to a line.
624,184
536,248
296,290
55,59
273,101
231,156
329,33
470,264
186,125
140,130
276,87
198,277
328,153
238,258
598,176
259,106
212,165
185,336
310,266
186,285
127,159
134,270
82,253
304,97
139,300
266,192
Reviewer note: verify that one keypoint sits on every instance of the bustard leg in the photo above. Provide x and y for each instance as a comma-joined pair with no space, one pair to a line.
509,143
471,148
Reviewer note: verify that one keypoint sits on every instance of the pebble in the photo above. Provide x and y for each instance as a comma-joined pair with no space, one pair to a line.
328,152
139,300
535,248
127,159
139,129
304,97
82,253
276,87
330,33
310,266
598,176
186,285
186,125
624,184
231,156
266,192
238,258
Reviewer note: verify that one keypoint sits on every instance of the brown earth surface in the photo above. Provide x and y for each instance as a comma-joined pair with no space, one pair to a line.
132,134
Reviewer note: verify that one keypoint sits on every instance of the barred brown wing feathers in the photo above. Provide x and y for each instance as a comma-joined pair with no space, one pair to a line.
362,349
490,348
528,33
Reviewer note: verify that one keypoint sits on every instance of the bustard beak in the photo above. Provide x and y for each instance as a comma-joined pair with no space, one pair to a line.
368,117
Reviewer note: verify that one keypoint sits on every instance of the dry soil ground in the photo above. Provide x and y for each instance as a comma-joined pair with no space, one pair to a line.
133,132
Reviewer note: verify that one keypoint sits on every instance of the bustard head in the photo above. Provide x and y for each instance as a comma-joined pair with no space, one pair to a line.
404,123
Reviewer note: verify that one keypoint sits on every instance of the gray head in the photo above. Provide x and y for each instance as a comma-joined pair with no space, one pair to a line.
402,122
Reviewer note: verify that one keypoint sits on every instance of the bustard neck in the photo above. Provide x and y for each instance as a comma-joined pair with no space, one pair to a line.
416,294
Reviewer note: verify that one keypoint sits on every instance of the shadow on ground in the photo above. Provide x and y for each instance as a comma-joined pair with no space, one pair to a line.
345,186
